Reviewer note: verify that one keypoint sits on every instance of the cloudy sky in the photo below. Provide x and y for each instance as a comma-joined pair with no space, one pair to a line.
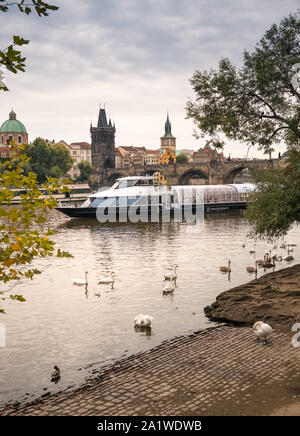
136,56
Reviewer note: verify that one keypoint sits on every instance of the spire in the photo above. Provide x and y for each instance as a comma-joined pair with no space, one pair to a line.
102,121
168,126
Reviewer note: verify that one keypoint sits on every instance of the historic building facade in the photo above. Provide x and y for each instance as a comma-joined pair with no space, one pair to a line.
13,130
103,143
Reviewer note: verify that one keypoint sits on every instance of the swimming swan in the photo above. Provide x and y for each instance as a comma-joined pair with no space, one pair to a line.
226,268
106,280
173,275
81,282
143,320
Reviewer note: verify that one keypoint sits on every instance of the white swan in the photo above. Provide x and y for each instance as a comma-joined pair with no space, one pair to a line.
143,320
81,282
262,330
169,288
106,279
173,275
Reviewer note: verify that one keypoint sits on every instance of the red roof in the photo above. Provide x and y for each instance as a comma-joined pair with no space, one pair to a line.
132,148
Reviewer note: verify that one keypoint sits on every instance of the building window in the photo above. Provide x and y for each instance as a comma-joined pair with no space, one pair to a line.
19,139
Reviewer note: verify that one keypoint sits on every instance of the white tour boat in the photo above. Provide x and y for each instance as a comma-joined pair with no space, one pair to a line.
139,195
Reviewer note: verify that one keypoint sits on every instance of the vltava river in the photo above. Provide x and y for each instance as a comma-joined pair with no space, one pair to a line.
60,324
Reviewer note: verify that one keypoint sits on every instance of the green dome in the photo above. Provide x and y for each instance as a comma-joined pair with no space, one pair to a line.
12,125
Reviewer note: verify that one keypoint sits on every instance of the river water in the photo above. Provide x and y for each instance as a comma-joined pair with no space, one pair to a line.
62,324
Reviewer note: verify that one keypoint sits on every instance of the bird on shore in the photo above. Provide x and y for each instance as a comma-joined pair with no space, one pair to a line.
262,330
81,282
169,288
143,320
171,275
56,374
226,269
252,251
106,279
252,269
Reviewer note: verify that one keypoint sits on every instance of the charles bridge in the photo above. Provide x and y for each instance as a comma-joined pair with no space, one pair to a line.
211,173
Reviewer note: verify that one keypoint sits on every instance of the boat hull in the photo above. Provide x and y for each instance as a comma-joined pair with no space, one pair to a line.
91,212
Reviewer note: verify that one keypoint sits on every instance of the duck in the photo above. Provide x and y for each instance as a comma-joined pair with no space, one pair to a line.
252,269
226,268
262,330
143,320
56,374
106,279
169,288
81,282
288,258
171,275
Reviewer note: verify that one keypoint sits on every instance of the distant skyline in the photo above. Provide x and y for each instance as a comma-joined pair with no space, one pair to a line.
135,56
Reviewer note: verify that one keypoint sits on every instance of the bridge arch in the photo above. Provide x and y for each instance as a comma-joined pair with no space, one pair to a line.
230,176
193,173
113,177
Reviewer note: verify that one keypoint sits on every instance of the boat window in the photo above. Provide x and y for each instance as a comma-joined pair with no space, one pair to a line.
104,202
126,184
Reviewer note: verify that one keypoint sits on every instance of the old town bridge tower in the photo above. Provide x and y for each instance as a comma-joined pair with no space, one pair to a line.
103,143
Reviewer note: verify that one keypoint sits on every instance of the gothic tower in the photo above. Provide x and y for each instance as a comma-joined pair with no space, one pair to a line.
168,140
103,143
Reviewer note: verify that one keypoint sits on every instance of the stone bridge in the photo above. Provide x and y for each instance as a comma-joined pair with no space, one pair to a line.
211,173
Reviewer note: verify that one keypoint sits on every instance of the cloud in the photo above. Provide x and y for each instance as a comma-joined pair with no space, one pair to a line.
137,56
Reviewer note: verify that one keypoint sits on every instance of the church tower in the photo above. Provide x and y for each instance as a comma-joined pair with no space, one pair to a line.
103,143
168,141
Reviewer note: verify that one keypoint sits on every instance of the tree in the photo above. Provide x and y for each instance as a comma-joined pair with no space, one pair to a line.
11,58
275,205
24,234
182,159
259,102
86,170
47,160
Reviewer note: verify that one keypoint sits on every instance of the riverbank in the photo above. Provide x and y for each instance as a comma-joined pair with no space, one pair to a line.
218,371
274,297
